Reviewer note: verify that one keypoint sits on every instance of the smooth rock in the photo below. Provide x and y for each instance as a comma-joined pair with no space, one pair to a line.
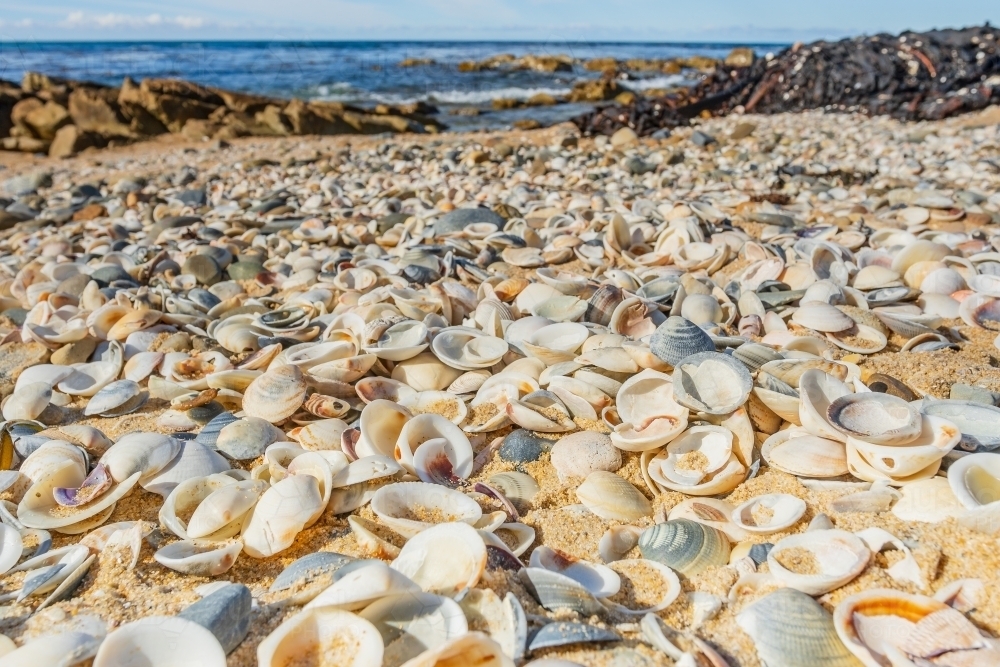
579,454
225,613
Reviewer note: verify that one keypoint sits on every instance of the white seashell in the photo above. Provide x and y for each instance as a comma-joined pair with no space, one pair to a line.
613,498
448,452
11,547
445,559
364,533
711,512
600,580
194,460
443,403
38,508
403,340
837,555
49,374
200,558
468,349
275,395
556,342
64,648
650,417
280,514
711,382
797,452
381,425
412,623
142,365
670,583
937,437
975,479
50,456
769,513
223,507
359,584
700,462
472,648
816,391
524,536
145,453
820,316
28,401
881,419
929,500
160,640
322,636
618,541
395,504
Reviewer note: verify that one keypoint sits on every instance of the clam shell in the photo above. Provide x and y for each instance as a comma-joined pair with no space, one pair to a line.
650,417
711,512
424,372
755,355
145,453
54,649
382,422
395,504
975,479
445,559
686,546
929,500
11,547
770,513
322,635
790,371
613,498
556,342
600,580
937,438
148,642
360,583
816,391
565,633
401,341
837,558
308,575
711,382
557,591
467,349
880,419
412,623
790,629
820,316
700,462
979,424
471,648
434,449
39,508
284,510
117,398
200,558
678,338
797,452
275,395
28,402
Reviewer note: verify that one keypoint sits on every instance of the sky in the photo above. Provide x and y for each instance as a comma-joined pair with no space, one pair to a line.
531,20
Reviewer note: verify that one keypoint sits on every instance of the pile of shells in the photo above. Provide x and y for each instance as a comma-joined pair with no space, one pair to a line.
343,354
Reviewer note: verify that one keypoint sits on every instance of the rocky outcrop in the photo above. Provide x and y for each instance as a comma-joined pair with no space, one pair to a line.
63,117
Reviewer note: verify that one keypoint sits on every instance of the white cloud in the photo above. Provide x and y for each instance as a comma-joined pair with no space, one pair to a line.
80,19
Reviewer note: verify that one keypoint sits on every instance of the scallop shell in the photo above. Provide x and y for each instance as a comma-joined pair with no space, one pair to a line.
613,498
790,629
711,382
686,546
838,556
445,559
153,641
678,338
275,395
322,635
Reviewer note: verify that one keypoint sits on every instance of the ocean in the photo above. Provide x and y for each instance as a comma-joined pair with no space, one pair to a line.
362,73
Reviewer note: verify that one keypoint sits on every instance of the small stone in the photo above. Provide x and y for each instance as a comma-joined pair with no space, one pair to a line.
15,315
244,270
624,138
225,613
521,446
74,285
637,166
699,138
742,131
76,352
968,392
579,454
106,275
203,268
460,218
90,212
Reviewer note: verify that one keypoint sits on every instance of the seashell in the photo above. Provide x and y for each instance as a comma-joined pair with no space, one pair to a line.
11,548
445,559
275,395
770,513
882,625
786,407
937,438
95,484
876,418
820,316
670,583
412,623
364,533
377,388
711,512
557,591
565,633
411,507
975,479
600,580
433,448
326,407
650,417
224,507
928,500
64,648
701,309
309,575
977,422
617,541
324,635
471,648
145,453
28,401
360,583
613,498
117,398
150,640
755,355
962,594
790,629
467,349
200,558
521,535
634,318
830,558
602,304
401,341
518,487
527,413
436,402
678,338
236,380
39,508
282,511
790,371
711,382
561,308
468,382
48,374
686,546
816,391
555,343
321,435
699,462
246,439
796,452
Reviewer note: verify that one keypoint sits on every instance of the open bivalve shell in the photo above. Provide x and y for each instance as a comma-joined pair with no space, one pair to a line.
816,391
472,648
160,640
797,452
881,419
818,561
445,559
360,583
769,513
885,626
468,349
282,511
322,636
434,449
975,479
199,558
711,382
411,507
649,416
700,462
40,509
412,623
899,461
600,580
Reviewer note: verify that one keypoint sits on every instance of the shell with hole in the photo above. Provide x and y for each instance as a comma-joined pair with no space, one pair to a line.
411,507
770,513
325,635
818,561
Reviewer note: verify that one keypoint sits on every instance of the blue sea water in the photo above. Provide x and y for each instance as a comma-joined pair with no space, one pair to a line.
361,73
